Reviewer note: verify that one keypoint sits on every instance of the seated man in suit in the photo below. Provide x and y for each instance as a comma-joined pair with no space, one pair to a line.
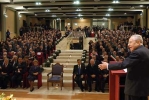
92,75
79,72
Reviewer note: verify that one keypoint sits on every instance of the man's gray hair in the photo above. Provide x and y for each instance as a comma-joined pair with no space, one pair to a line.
138,38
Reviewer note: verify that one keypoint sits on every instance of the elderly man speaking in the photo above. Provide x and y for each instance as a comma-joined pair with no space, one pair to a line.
137,64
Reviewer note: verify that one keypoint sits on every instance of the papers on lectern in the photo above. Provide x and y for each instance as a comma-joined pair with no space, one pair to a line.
125,70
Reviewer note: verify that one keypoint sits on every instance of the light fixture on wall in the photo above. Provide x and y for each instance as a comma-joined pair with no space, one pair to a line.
5,15
141,14
20,15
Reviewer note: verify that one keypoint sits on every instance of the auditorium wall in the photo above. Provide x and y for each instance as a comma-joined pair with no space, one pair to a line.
77,23
0,35
148,18
33,20
23,17
37,21
116,21
10,22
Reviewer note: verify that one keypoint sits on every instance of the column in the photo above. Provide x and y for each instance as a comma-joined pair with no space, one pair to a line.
144,17
109,24
3,17
134,20
55,24
147,18
28,20
91,23
71,24
17,23
60,24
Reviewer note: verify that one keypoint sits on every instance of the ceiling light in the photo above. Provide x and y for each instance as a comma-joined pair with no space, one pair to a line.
80,15
53,15
141,5
47,10
78,9
107,14
38,3
125,13
110,9
64,14
35,14
76,2
103,24
58,19
104,18
115,1
132,7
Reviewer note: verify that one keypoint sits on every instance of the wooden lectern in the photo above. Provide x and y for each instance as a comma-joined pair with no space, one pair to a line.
114,84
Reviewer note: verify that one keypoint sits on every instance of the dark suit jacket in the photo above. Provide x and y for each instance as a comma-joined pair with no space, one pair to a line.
76,70
90,70
137,78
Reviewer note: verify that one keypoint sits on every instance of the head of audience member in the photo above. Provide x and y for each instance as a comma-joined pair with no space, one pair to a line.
6,61
20,60
94,57
92,62
134,42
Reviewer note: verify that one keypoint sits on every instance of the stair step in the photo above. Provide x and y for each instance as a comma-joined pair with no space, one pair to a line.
70,51
66,70
65,60
72,54
66,57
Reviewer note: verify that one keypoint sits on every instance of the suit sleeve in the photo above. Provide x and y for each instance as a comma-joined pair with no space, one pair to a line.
74,69
130,61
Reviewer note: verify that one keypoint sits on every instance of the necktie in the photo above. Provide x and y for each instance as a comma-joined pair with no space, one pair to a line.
79,69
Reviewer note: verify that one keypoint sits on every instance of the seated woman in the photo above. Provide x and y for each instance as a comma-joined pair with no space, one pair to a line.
33,73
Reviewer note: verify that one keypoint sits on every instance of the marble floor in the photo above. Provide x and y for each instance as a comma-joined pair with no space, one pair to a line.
54,94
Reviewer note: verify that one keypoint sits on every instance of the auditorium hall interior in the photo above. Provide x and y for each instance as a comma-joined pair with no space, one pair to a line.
51,49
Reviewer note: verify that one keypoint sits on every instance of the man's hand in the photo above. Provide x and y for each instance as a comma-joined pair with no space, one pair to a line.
4,73
74,76
105,75
36,73
102,66
93,76
81,76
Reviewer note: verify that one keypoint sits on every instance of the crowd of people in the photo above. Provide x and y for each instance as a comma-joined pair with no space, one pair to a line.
19,54
111,45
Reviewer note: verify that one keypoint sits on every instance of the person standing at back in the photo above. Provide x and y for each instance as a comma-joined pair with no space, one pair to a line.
137,64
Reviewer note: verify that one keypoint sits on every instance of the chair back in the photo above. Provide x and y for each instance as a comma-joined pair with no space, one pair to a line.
57,69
